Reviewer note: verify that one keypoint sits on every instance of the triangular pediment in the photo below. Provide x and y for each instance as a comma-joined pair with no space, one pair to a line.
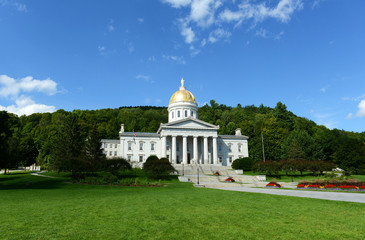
188,123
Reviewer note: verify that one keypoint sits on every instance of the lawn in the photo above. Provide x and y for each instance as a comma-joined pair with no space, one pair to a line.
48,208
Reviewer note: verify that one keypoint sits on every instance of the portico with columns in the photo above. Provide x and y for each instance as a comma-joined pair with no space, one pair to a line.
183,140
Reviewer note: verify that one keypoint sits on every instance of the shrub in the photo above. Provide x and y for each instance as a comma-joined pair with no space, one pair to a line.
114,165
243,163
158,168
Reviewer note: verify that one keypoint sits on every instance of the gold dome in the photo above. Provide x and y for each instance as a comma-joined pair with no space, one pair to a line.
182,95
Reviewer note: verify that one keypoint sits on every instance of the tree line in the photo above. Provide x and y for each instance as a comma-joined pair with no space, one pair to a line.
41,137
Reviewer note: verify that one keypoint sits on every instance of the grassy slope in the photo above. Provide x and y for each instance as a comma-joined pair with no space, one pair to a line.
50,209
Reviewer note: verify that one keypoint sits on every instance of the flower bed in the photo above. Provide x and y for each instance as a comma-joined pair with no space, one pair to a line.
230,179
273,185
350,185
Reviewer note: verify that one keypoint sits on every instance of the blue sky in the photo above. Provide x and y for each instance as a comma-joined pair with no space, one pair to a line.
309,54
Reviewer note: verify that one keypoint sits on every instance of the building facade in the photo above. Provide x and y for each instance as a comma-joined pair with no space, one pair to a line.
183,140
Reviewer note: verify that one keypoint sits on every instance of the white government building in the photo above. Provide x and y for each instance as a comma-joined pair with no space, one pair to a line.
183,140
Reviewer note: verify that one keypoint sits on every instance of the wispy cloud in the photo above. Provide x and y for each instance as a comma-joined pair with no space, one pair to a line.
145,78
104,51
204,15
140,20
110,26
174,58
21,7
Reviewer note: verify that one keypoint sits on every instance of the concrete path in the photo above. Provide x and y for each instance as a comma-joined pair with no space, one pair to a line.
335,196
37,174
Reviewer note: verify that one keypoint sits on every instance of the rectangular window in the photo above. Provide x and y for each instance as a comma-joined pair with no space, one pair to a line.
152,147
110,153
178,114
115,153
129,157
110,145
140,158
191,113
129,146
230,147
240,148
230,159
115,146
220,159
141,146
186,113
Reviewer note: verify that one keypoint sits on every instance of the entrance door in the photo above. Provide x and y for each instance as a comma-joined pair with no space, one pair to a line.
188,158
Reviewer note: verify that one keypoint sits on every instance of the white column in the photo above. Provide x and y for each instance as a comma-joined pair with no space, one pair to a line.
215,155
206,150
185,150
163,148
195,146
173,148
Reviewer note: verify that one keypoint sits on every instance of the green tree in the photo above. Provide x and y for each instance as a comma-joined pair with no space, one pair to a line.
66,152
93,153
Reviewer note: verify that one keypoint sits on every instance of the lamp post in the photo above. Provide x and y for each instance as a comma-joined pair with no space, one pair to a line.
183,168
198,174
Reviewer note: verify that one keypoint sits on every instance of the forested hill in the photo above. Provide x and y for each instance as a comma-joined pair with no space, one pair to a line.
286,136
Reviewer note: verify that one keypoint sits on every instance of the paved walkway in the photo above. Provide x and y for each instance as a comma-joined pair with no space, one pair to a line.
335,196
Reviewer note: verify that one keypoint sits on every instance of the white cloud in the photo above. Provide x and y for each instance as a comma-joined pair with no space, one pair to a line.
145,78
259,12
187,32
349,116
361,111
174,59
15,89
21,7
204,14
140,20
218,34
26,106
12,87
110,26
177,3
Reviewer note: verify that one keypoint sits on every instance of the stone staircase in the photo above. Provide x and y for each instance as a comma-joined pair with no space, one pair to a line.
206,177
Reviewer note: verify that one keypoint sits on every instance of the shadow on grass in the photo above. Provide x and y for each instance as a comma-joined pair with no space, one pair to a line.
28,181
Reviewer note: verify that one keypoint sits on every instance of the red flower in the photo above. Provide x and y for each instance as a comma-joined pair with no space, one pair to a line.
330,186
301,185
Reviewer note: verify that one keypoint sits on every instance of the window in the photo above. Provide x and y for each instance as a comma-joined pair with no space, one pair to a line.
239,148
110,153
115,146
191,113
178,114
220,159
115,153
152,146
140,158
141,146
167,147
172,115
230,159
129,157
129,146
186,113
111,145
230,147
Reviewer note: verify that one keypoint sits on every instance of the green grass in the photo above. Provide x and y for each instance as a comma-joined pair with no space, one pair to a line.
51,209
